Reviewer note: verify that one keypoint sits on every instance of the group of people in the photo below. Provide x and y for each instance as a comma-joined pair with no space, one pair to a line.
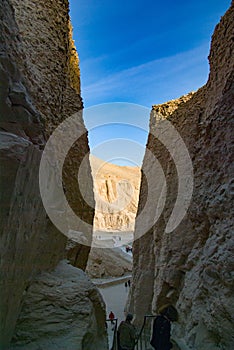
127,283
128,249
160,340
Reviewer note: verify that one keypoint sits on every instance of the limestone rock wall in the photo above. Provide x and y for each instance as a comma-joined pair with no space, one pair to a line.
192,266
116,190
52,73
50,62
62,309
111,262
39,88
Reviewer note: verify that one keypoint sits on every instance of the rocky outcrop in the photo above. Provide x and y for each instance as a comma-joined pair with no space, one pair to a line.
112,262
191,266
116,190
49,62
39,89
62,309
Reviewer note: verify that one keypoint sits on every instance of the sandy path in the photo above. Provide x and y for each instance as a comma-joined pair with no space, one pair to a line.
115,297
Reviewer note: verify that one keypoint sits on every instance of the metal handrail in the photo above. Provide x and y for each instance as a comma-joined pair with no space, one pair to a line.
114,342
139,341
143,344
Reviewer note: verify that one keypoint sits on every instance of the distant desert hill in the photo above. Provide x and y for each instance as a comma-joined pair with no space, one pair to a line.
116,190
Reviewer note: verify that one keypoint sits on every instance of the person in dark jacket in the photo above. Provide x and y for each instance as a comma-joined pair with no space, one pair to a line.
126,334
162,328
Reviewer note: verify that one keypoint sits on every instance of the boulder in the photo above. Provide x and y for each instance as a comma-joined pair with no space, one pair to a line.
61,310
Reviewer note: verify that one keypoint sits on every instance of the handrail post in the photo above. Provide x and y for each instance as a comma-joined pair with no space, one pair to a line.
114,344
114,340
139,341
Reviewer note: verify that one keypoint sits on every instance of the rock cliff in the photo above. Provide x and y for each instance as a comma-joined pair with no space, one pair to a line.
192,266
116,191
111,262
39,89
62,309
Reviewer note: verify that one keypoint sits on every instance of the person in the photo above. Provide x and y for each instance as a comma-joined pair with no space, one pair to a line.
126,284
126,334
129,283
111,317
162,328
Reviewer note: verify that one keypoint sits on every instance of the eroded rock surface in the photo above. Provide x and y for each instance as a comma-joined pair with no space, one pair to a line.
116,190
192,266
63,310
112,262
39,89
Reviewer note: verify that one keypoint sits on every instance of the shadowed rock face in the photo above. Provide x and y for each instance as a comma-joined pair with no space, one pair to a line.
191,266
39,89
62,309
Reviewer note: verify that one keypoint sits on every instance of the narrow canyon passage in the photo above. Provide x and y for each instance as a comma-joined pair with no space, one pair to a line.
75,227
115,297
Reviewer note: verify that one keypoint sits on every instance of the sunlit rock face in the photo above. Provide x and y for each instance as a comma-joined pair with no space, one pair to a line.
111,262
116,190
191,267
39,89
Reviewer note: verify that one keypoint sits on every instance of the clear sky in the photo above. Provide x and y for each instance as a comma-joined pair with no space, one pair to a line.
142,52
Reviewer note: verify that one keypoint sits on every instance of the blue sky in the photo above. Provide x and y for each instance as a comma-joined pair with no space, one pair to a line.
142,52
118,132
